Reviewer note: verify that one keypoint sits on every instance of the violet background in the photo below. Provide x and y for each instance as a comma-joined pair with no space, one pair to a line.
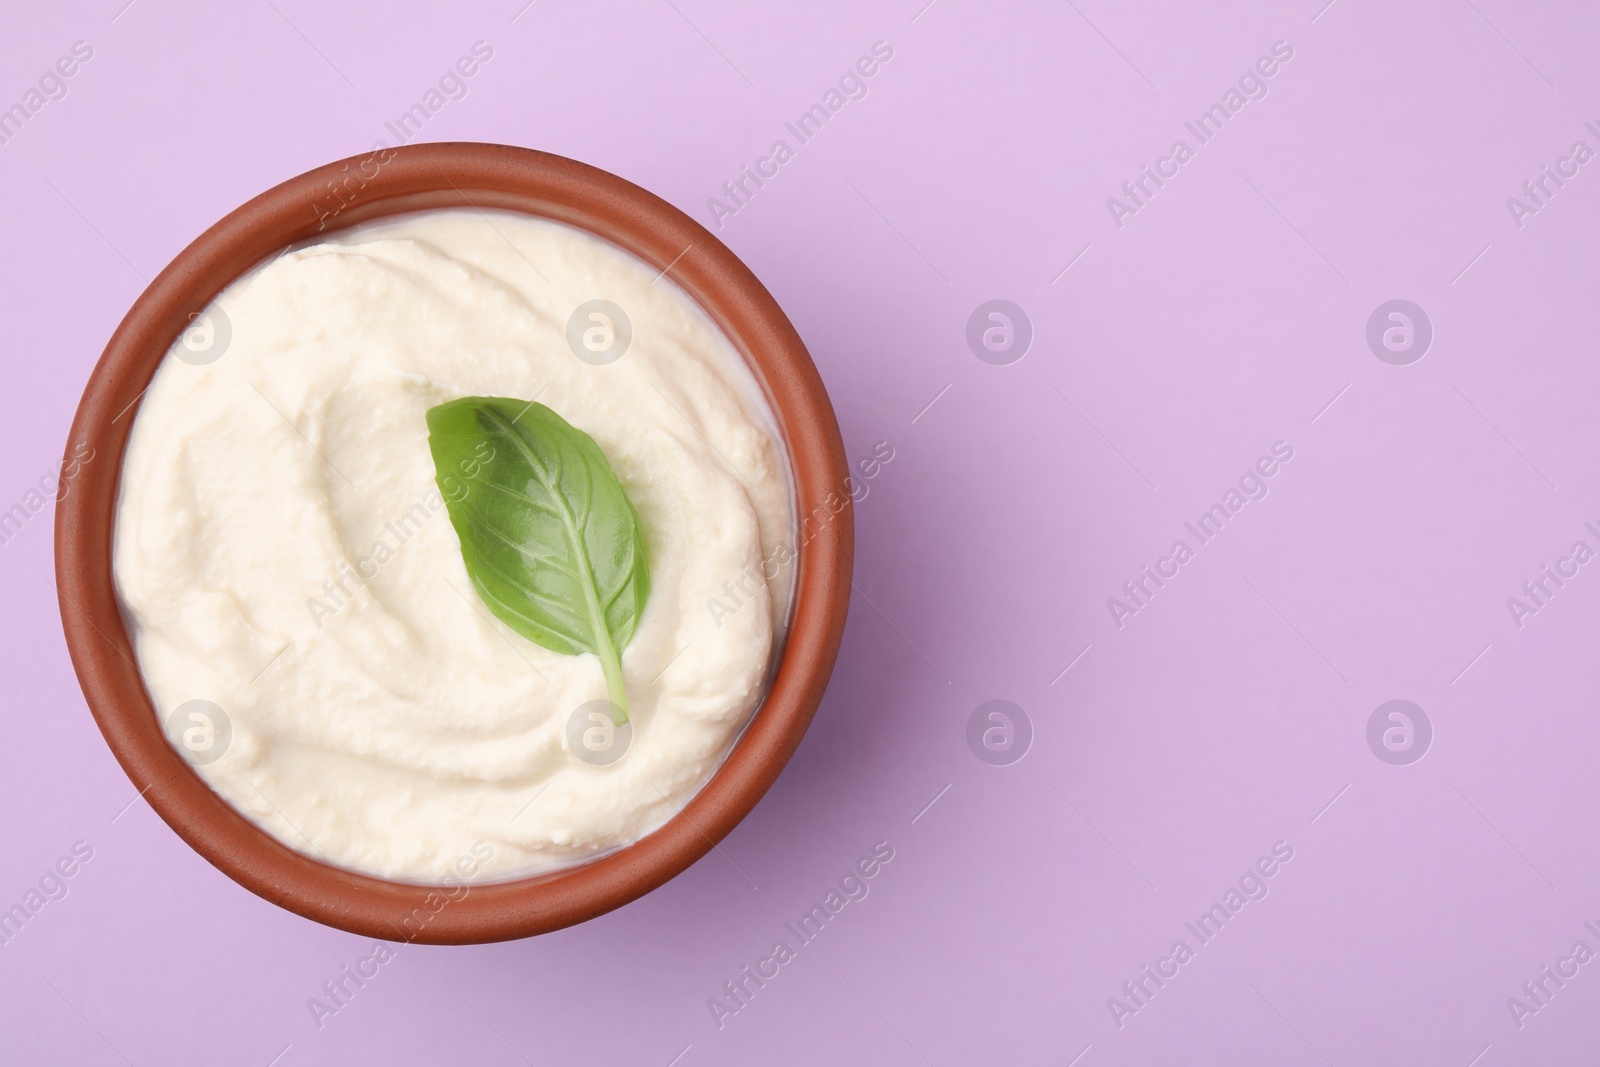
1223,317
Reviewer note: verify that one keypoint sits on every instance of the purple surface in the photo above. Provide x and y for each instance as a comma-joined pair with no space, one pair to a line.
1226,314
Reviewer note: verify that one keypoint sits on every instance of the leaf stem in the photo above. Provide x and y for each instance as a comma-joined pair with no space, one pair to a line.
611,664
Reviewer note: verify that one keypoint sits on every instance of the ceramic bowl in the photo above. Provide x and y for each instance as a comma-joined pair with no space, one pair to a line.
342,194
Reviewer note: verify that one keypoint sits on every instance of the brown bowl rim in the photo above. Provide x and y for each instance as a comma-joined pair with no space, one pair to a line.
338,195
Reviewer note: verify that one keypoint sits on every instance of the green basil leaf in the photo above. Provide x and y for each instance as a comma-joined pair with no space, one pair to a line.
551,542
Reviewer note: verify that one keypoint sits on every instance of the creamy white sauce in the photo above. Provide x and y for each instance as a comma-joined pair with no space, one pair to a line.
282,551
